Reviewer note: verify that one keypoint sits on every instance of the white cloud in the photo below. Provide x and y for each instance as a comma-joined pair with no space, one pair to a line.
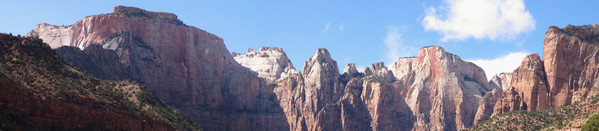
492,19
327,27
507,63
395,44
341,27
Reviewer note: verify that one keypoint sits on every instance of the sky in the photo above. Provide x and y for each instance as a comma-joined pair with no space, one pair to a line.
494,34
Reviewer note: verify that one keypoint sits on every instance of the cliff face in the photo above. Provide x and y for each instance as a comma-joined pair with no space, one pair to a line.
528,90
39,91
186,67
567,73
570,60
434,91
192,70
442,91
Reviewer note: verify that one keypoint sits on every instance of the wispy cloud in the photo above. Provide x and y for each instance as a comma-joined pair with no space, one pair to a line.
395,44
506,63
493,19
330,25
327,27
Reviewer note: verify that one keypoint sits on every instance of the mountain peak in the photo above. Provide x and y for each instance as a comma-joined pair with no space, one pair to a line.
321,65
270,63
321,54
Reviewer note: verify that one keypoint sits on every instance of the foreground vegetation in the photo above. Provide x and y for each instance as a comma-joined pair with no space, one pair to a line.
566,117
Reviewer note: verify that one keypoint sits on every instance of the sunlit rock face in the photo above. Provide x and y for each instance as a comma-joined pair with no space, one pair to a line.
186,67
566,74
413,94
528,90
571,63
442,90
501,80
192,70
270,63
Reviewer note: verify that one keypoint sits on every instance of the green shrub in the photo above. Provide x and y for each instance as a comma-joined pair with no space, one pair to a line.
592,123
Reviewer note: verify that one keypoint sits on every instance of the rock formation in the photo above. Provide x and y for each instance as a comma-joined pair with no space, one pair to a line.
528,90
442,91
192,70
186,67
434,91
501,81
567,73
271,63
571,60
487,105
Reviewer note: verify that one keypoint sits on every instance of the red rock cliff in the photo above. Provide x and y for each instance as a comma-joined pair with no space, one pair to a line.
186,67
434,91
571,63
567,73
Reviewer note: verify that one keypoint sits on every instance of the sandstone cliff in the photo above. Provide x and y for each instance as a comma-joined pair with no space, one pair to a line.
192,70
528,90
434,91
570,60
186,67
567,73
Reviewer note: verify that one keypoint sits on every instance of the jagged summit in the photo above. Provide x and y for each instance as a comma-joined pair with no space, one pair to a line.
350,69
321,55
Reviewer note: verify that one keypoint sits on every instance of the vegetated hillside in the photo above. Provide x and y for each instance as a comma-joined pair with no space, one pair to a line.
40,91
565,117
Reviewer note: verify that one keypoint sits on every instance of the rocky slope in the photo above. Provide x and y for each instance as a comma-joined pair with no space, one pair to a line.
566,118
186,67
434,91
40,91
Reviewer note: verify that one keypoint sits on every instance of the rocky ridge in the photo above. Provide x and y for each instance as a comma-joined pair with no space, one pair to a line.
383,99
270,63
207,84
40,91
261,89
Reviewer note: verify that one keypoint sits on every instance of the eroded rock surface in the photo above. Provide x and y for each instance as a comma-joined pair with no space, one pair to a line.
571,63
270,63
191,69
567,73
528,90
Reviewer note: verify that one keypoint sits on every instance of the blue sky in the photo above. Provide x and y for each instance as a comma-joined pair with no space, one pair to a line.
495,34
